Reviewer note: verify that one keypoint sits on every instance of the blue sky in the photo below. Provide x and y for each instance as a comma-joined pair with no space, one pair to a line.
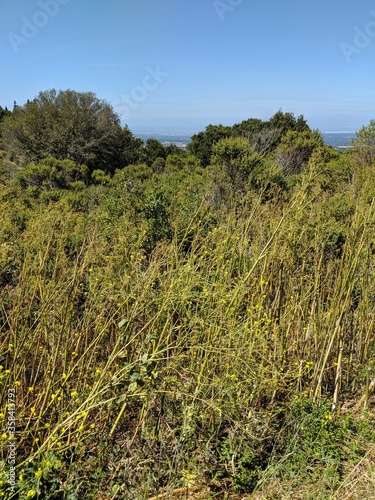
179,65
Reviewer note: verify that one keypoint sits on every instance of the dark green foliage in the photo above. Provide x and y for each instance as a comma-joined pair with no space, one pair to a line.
264,136
202,143
4,112
154,149
69,125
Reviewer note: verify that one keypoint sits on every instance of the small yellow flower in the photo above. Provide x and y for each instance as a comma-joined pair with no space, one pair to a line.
59,443
36,440
47,425
30,389
7,371
81,427
20,477
31,493
4,435
2,415
1,367
84,413
17,383
98,370
64,375
92,426
33,410
38,473
74,394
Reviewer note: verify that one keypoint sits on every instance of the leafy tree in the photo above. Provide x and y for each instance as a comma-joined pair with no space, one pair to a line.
172,149
287,121
154,149
248,128
69,125
295,150
4,112
201,144
270,135
363,148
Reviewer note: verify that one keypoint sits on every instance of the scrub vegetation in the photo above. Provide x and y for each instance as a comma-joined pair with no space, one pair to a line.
185,324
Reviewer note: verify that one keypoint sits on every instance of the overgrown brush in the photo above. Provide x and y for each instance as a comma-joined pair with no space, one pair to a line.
205,345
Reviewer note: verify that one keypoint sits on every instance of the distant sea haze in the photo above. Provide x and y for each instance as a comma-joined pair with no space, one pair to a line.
338,140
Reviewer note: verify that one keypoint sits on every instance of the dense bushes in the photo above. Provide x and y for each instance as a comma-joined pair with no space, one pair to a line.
187,326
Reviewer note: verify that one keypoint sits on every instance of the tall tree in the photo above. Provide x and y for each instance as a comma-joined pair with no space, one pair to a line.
3,113
201,144
154,149
69,125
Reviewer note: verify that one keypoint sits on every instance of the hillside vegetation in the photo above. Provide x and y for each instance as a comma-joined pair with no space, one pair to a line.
195,321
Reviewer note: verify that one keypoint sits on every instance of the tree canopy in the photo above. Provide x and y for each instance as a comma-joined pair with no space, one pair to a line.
263,136
69,125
